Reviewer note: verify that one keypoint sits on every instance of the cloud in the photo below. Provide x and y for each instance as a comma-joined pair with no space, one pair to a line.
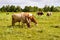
42,3
23,3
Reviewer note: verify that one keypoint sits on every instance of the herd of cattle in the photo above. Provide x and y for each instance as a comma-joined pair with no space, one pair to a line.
26,18
41,13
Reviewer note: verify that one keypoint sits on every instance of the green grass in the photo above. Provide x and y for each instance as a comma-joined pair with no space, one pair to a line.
48,28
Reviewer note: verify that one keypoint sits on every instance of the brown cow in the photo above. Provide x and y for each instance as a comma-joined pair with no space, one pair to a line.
24,18
40,13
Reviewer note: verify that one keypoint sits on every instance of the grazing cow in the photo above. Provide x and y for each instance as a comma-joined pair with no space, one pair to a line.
40,13
49,13
24,18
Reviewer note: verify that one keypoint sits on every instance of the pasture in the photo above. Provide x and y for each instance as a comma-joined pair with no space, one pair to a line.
48,28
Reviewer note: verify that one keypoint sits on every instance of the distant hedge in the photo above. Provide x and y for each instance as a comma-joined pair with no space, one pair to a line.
13,8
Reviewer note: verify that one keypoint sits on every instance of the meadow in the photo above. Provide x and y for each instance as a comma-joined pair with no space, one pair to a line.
48,28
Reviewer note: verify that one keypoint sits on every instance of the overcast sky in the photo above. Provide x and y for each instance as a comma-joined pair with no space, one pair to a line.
23,3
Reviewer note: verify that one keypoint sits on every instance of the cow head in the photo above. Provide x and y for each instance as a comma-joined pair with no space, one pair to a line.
32,19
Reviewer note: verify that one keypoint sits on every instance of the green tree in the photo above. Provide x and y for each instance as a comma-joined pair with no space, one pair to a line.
40,9
3,9
12,8
26,9
45,8
8,8
30,9
35,9
57,9
52,8
48,8
18,8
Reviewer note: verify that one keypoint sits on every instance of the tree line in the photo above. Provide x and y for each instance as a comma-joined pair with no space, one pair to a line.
13,8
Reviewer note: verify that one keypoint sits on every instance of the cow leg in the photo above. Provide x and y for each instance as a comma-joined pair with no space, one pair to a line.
19,23
22,24
28,25
28,22
13,22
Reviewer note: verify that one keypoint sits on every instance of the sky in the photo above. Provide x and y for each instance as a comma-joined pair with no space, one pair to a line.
23,3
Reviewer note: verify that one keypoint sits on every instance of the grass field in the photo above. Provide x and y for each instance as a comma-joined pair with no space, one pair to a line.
48,28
